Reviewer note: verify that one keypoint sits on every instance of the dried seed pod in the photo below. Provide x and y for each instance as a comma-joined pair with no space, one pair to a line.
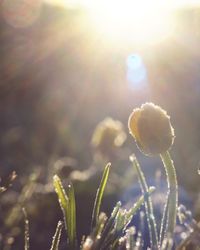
151,128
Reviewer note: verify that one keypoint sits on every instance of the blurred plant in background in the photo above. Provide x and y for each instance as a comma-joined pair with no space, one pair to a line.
108,135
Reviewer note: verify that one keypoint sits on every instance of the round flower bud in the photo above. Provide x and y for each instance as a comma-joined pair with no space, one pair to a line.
151,128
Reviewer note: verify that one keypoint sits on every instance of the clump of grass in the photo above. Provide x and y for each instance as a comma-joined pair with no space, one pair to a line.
151,128
106,233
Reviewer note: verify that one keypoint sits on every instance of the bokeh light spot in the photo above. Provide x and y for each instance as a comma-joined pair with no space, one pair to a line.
136,72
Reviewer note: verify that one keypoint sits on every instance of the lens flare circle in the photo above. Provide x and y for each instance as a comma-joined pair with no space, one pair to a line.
136,72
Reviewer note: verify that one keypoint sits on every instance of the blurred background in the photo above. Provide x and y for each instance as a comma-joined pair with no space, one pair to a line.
70,74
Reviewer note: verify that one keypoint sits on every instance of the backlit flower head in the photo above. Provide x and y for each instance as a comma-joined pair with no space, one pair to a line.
151,128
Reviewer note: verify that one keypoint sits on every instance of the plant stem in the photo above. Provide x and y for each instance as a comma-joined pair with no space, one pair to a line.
172,192
148,205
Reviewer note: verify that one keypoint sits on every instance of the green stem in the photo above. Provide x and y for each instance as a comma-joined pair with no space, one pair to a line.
148,205
172,192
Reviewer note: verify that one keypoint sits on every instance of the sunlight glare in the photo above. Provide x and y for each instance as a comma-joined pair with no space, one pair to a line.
139,22
132,21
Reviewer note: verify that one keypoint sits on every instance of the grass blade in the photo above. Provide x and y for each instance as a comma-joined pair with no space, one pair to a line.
99,195
148,205
138,204
56,237
164,222
172,193
111,221
26,232
107,231
130,243
62,197
72,215
67,204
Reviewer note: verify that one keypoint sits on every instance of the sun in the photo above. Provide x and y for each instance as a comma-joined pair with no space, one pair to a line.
131,21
